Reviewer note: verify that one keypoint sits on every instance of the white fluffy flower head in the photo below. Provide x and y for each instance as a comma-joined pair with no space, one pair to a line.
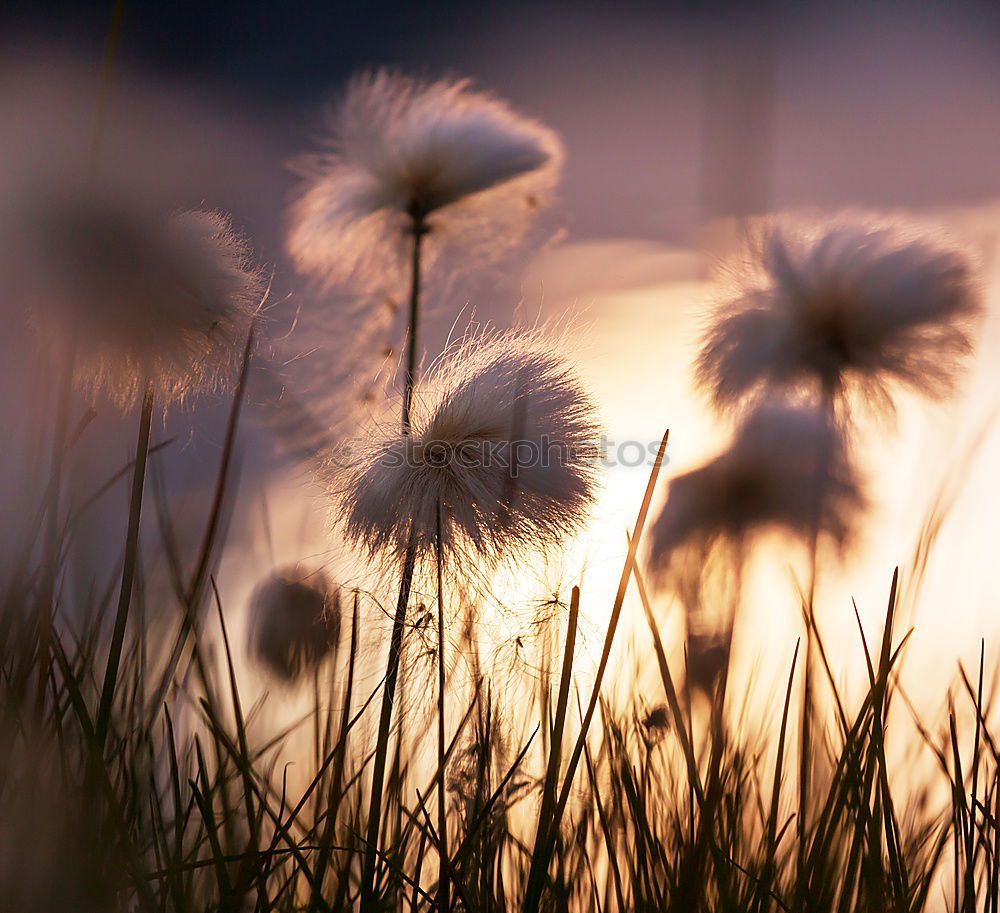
787,469
852,305
504,440
441,156
139,296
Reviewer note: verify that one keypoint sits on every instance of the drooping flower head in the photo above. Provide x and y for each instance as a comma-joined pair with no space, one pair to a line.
787,470
707,655
504,439
852,305
294,621
142,297
405,154
656,721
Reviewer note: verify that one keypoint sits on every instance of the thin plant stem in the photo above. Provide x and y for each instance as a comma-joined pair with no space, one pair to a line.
129,566
207,551
191,595
51,552
827,411
335,790
717,721
46,608
443,899
418,230
107,68
545,825
673,701
385,721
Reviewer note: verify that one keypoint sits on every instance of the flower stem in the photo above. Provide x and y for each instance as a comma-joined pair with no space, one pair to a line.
107,68
368,902
544,830
128,568
419,229
443,899
828,413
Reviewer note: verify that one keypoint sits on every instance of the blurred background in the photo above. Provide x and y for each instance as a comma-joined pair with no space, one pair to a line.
679,120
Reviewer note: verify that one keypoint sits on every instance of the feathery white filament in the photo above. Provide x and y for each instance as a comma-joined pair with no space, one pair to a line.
787,469
458,160
504,439
140,298
850,305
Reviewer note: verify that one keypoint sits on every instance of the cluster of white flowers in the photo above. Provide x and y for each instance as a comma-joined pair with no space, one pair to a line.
822,313
496,455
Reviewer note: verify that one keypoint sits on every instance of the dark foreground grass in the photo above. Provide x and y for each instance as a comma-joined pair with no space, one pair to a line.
163,795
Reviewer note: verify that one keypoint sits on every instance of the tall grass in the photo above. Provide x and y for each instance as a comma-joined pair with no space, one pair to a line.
185,803
136,776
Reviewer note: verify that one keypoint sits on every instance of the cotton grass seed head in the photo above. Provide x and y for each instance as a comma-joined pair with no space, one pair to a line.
504,439
852,305
787,470
405,153
294,621
139,296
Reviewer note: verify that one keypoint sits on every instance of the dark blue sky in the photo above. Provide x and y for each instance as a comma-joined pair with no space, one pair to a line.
288,48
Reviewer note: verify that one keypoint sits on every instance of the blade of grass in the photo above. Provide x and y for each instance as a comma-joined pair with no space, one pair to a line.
770,841
253,849
192,596
541,855
128,568
444,904
382,742
545,814
681,729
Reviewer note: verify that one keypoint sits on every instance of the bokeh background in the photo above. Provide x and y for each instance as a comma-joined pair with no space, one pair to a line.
679,119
